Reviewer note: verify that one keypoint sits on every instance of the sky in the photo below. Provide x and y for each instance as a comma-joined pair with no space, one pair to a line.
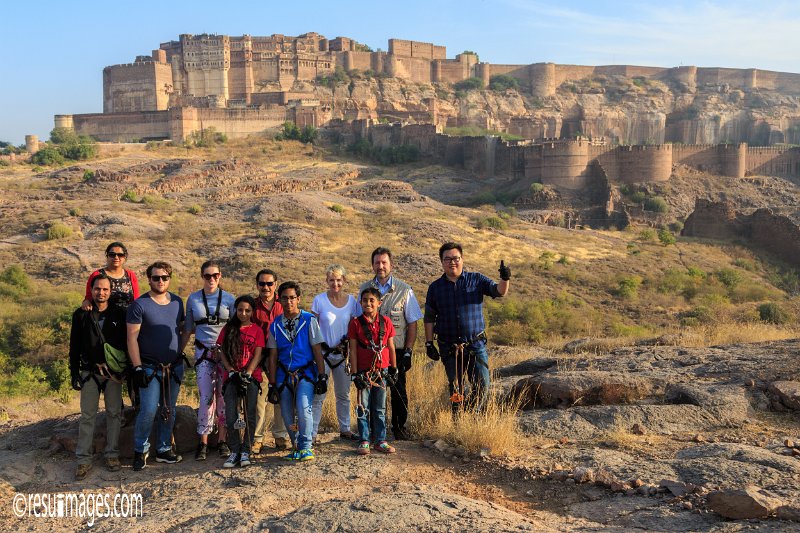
53,52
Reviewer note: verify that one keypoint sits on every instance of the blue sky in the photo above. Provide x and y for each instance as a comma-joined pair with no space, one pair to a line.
54,52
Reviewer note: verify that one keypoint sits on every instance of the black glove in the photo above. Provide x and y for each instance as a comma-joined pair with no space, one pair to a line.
140,378
431,351
75,380
321,386
391,376
272,395
241,380
405,361
505,272
360,381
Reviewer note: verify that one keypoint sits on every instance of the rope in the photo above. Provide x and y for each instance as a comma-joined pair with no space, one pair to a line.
166,371
457,397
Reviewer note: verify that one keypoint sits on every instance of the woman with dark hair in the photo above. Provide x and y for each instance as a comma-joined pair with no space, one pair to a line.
124,285
241,343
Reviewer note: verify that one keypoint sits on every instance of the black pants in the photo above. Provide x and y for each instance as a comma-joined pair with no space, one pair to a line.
399,402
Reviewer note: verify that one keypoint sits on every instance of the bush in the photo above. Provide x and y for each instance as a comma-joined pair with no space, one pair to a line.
130,196
15,276
666,237
502,82
493,222
195,209
772,313
536,187
647,235
336,208
24,380
656,205
88,175
205,138
638,197
469,84
728,277
49,155
58,230
628,287
75,212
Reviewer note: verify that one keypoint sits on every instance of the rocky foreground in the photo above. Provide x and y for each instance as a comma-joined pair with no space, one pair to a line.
655,438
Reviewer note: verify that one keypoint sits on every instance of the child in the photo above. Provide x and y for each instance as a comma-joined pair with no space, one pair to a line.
296,369
241,342
373,366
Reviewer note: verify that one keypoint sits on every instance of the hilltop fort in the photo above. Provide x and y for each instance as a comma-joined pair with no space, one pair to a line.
246,84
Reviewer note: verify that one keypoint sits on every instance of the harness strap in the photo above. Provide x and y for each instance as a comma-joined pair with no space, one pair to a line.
217,319
204,355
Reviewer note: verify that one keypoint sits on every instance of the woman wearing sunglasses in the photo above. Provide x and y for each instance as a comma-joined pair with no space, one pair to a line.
124,285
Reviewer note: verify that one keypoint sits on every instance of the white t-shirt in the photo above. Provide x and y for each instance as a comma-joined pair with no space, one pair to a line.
333,321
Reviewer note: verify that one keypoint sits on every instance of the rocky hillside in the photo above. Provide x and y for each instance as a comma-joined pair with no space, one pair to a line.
624,110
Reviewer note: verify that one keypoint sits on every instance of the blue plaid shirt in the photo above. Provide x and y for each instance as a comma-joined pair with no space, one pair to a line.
456,309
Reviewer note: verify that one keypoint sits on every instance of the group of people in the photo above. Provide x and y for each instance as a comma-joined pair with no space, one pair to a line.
253,351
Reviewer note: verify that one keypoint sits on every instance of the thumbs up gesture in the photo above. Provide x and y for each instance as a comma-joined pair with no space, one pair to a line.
505,272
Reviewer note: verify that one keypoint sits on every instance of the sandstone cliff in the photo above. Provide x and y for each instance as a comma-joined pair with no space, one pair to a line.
624,110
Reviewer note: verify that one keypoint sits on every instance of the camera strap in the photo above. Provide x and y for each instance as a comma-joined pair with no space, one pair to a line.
217,320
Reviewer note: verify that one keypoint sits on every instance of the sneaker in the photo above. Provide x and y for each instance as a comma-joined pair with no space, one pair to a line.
233,458
202,451
256,448
82,470
363,448
292,456
139,461
223,448
168,457
305,455
245,460
113,464
282,443
384,447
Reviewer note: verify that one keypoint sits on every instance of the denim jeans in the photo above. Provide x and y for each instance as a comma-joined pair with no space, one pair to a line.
340,380
372,414
149,408
232,414
300,403
475,365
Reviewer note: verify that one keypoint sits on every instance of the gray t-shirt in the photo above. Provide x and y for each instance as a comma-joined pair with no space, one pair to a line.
160,333
207,334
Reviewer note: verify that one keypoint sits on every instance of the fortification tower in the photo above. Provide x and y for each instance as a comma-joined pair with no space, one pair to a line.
565,163
732,159
32,143
751,79
543,79
206,61
686,75
64,121
482,71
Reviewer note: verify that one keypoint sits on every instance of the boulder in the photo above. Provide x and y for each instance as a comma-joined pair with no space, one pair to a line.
787,393
749,502
788,512
567,389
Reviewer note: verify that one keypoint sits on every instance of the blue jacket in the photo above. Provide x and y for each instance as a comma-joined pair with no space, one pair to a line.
294,353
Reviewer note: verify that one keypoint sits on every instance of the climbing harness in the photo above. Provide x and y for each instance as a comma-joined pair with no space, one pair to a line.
165,379
339,349
458,350
374,375
211,320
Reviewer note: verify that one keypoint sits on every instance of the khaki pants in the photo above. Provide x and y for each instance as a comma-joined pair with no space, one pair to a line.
278,428
90,399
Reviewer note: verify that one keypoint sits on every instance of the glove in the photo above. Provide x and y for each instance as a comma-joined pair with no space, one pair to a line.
321,386
505,272
272,395
431,351
391,376
241,380
140,378
76,381
360,381
405,362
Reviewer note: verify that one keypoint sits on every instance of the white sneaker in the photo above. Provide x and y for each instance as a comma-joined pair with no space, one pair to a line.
231,461
245,460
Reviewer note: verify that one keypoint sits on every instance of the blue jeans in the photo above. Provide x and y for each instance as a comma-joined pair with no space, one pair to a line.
149,403
372,414
475,365
300,403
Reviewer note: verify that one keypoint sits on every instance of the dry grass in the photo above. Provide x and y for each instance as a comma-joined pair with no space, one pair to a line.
736,333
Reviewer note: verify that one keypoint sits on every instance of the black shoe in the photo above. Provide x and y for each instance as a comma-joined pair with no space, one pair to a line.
168,457
401,434
139,461
200,454
224,450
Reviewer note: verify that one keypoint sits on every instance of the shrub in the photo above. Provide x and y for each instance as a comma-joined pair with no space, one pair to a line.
536,187
336,208
628,287
49,155
546,260
638,197
15,276
647,235
195,209
88,175
469,84
24,380
666,237
676,227
502,82
75,212
728,277
772,313
58,230
129,196
33,336
493,222
656,205
745,264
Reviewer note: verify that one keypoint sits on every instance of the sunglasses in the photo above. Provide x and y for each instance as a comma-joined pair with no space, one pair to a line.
112,255
159,278
209,277
266,283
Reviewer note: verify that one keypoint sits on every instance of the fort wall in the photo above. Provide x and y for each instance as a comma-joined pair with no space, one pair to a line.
124,127
635,164
142,86
564,164
773,161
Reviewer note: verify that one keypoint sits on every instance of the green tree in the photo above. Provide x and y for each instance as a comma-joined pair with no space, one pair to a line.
501,82
469,84
470,52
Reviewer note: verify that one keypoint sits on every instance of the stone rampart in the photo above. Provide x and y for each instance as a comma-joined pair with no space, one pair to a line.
124,127
564,165
773,161
722,159
636,164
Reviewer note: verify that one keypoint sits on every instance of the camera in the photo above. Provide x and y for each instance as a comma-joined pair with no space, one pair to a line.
213,320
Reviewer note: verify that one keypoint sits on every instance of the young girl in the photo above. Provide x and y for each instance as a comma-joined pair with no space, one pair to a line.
241,343
373,365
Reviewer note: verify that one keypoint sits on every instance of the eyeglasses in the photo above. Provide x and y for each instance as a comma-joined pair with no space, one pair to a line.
289,298
454,260
112,255
266,283
159,278
209,277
